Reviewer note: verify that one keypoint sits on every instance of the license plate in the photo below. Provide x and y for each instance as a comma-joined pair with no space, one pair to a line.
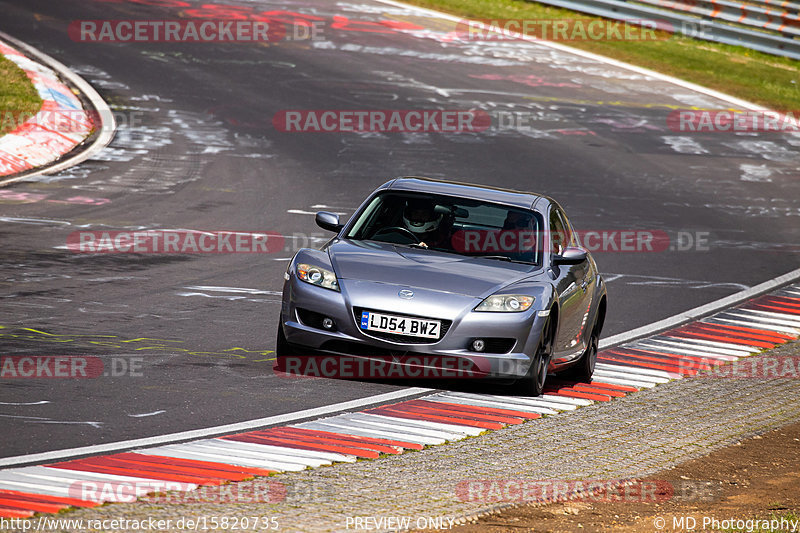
400,325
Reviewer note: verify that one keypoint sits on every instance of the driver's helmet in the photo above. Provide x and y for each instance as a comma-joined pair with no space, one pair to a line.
420,216
517,220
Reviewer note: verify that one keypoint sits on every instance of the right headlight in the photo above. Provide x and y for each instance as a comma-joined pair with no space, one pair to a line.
317,276
506,303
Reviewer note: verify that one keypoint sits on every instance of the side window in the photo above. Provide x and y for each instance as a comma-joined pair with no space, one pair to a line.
572,239
558,234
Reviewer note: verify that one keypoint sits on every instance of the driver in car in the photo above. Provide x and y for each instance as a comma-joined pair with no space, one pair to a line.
431,228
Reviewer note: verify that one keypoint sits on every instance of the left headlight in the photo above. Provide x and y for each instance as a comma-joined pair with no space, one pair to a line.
506,303
317,276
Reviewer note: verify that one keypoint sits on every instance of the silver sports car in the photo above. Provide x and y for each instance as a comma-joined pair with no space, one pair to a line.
431,268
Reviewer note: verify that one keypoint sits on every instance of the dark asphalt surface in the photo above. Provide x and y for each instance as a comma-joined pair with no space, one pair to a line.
197,149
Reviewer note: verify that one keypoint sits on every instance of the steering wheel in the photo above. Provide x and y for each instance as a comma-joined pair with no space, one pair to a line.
398,230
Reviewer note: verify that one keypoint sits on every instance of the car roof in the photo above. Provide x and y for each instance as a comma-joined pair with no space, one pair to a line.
465,190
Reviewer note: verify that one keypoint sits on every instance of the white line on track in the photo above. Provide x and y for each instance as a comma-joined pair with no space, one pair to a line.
621,338
212,431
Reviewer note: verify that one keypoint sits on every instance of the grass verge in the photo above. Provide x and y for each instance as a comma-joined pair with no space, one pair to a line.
18,96
764,79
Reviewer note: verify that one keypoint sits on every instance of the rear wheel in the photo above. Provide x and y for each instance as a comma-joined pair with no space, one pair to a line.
533,382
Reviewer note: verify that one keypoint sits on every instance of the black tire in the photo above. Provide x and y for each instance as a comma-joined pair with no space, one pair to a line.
282,346
533,382
584,369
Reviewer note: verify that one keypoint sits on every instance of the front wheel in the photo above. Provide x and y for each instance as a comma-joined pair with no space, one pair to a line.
282,346
584,368
533,382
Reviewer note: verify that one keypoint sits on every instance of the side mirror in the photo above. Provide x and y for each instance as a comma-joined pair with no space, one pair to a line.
328,221
570,256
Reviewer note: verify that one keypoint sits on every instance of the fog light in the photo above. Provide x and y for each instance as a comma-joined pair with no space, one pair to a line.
478,345
327,323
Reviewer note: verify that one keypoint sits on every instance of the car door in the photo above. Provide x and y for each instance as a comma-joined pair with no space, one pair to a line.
586,277
572,288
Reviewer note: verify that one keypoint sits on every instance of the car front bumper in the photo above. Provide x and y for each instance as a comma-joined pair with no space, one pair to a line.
304,306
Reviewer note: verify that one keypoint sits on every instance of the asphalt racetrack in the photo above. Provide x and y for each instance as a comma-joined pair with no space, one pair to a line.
198,147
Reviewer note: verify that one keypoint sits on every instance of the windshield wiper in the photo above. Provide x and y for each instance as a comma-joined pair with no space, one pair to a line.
419,246
504,258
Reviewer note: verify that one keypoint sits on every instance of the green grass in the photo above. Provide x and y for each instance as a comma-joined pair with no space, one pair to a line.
17,95
764,79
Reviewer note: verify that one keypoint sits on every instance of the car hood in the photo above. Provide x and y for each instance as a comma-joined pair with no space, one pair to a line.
409,267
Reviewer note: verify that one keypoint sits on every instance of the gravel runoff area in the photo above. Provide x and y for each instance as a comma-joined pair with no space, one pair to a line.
631,437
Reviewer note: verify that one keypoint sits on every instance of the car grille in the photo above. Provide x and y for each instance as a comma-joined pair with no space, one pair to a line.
354,348
405,339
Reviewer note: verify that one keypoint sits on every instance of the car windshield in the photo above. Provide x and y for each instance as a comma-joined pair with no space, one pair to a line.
450,224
